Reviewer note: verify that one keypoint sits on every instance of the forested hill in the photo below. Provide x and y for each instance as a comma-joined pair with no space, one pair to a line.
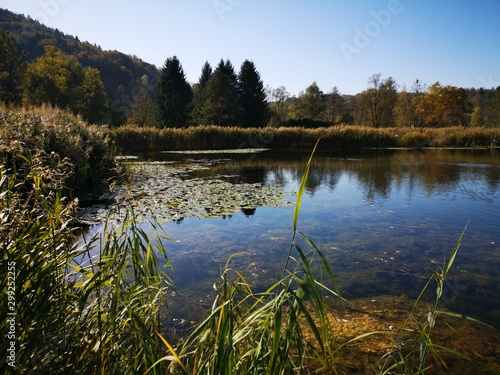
121,74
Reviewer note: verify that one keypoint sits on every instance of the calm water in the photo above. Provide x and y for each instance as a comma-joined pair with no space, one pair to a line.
385,219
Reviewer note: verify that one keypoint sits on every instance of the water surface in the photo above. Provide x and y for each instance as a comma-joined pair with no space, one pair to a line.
385,220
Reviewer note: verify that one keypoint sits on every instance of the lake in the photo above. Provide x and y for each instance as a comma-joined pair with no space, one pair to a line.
385,219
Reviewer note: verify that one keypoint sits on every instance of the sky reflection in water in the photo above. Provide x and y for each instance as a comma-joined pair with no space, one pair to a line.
385,220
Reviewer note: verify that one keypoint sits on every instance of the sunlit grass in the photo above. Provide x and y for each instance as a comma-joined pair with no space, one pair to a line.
133,139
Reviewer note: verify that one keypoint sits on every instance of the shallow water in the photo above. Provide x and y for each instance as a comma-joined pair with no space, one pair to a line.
384,219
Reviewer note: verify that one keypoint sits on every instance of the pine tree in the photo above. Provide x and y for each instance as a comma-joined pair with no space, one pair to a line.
197,115
221,102
174,95
252,96
12,68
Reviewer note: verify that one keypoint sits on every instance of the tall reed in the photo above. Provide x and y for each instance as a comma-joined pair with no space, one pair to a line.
134,139
84,308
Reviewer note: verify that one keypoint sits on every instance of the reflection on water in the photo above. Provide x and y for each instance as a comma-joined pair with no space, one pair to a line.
385,220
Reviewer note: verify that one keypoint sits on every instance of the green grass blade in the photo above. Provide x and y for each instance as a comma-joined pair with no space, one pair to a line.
302,186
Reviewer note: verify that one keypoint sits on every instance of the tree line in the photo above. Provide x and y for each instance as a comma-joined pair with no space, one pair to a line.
120,73
384,104
226,98
54,78
220,97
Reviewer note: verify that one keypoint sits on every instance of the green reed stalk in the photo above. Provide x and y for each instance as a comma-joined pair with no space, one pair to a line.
77,312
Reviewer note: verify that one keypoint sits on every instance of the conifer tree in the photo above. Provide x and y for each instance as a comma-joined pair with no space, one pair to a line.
174,95
222,105
12,68
197,115
252,96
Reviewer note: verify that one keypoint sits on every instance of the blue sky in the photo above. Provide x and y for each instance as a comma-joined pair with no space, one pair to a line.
296,42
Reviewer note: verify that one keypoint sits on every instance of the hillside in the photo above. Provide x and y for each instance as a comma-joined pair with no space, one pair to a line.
121,74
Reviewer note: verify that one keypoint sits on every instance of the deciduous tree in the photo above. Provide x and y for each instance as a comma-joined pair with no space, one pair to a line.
445,106
380,99
143,110
278,106
92,102
54,78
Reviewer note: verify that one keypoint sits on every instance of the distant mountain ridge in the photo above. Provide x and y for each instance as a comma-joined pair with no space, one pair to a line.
121,74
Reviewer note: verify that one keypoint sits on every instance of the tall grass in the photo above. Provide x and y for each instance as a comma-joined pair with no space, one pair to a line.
78,309
134,139
70,143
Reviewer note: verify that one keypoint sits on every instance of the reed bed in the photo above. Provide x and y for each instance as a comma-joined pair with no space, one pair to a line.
50,133
135,139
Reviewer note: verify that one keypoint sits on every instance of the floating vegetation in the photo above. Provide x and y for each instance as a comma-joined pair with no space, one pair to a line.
225,151
168,192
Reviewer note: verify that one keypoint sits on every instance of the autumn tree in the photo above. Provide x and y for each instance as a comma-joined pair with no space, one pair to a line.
59,80
174,95
492,109
419,90
445,106
404,110
334,106
143,109
379,100
92,102
309,104
12,68
53,78
278,107
252,96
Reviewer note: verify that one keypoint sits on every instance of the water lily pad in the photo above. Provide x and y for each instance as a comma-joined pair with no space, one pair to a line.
168,192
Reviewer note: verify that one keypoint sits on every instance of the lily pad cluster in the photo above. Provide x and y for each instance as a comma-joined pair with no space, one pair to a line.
168,192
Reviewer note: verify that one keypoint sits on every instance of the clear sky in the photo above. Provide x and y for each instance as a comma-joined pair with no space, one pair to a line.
296,42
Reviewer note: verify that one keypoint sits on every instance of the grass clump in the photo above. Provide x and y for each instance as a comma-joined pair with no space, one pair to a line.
83,308
57,139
